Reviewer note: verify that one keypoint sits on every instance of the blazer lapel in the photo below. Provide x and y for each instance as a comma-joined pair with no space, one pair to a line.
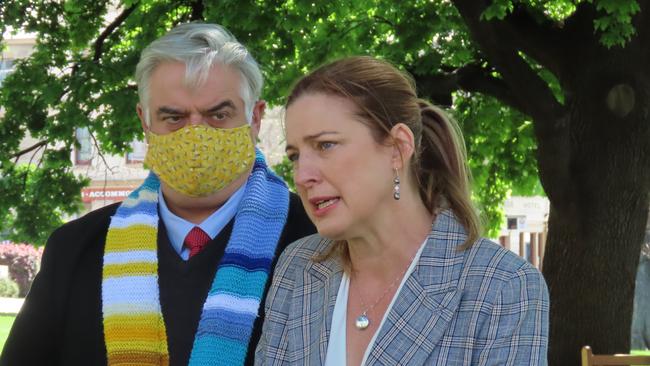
426,303
316,307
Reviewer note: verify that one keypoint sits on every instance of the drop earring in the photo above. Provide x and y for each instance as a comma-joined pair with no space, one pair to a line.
396,186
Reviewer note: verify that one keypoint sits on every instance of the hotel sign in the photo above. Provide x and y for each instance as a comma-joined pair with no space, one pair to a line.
105,194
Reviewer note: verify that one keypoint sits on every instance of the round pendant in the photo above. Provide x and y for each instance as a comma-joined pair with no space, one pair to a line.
362,322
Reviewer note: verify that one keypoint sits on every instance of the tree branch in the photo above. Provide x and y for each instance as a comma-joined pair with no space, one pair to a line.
470,78
543,42
99,42
641,22
528,88
31,159
25,151
477,79
437,88
381,19
99,152
197,10
580,25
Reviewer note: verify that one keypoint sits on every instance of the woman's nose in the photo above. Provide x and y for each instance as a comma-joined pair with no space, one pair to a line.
305,173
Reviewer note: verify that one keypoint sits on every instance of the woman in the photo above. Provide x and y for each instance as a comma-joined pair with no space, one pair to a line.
397,273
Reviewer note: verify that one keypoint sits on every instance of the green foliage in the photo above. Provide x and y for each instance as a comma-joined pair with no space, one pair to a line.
498,9
81,75
501,153
616,25
284,169
8,288
35,199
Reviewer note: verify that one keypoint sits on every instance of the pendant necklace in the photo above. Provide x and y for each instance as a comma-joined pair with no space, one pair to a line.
362,321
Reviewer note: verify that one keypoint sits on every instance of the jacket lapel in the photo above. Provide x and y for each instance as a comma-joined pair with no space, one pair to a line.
426,303
317,300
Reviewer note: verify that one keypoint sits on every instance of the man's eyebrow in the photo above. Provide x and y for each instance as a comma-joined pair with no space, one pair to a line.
225,104
168,110
309,138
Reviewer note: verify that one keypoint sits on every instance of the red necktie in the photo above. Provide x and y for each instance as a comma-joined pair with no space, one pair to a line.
196,240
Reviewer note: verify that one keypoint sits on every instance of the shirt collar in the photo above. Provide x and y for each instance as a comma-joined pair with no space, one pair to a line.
178,228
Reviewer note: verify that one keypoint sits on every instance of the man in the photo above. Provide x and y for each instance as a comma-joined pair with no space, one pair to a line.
177,272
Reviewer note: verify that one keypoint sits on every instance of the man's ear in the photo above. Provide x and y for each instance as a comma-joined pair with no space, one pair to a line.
258,114
404,145
143,123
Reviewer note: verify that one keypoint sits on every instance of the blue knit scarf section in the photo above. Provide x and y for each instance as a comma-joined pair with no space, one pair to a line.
234,299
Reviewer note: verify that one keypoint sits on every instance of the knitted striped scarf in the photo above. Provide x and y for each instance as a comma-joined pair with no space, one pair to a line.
134,328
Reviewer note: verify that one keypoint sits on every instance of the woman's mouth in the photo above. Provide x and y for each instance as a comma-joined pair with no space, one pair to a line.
323,204
326,203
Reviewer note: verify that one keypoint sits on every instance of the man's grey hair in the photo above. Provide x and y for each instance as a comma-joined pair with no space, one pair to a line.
200,46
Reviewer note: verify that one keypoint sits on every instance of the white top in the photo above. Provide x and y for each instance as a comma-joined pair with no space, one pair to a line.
336,346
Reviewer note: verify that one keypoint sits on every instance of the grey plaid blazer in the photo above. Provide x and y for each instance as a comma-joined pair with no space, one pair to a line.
480,306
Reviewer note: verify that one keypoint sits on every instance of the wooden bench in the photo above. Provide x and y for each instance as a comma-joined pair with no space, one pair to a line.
589,359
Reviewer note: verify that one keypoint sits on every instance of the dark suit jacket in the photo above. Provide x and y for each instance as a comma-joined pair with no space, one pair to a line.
60,322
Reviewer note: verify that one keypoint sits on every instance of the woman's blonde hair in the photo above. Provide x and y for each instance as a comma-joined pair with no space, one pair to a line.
383,97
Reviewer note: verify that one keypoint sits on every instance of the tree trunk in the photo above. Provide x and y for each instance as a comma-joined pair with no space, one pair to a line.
598,213
592,285
593,158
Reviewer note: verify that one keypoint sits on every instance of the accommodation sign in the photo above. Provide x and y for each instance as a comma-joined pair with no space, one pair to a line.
105,194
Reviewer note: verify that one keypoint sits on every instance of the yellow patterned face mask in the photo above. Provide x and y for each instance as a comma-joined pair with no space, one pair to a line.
200,160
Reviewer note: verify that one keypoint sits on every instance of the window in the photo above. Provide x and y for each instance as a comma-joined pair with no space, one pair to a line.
83,152
138,151
516,222
512,223
6,67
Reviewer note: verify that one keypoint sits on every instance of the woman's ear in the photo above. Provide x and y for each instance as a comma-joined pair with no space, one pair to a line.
404,145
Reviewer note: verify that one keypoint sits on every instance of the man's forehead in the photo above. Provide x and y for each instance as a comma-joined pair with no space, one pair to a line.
170,85
220,77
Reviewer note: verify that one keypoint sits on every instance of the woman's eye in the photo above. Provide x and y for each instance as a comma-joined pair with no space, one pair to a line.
293,157
325,145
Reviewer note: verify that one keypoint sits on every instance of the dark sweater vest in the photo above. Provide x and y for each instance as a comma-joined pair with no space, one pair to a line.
184,286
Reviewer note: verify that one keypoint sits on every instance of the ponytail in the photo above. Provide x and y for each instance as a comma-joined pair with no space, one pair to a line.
441,170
